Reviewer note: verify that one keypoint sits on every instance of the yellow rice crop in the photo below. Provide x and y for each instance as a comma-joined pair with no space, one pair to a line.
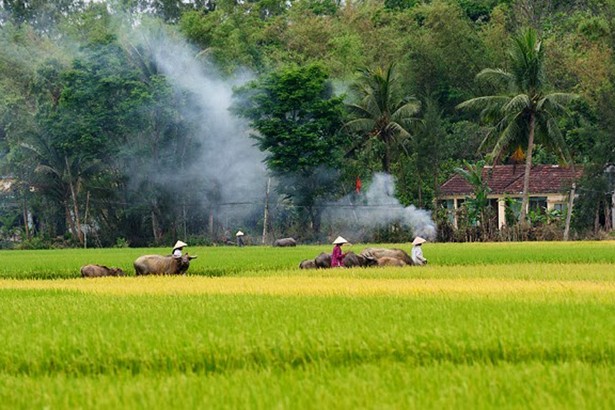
323,286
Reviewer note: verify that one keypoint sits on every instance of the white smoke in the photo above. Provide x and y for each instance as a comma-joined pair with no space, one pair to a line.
230,163
377,207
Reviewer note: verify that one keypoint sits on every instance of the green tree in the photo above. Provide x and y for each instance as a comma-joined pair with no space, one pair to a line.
427,144
298,120
477,206
383,111
523,112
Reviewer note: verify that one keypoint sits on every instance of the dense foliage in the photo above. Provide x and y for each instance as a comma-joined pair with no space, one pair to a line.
103,145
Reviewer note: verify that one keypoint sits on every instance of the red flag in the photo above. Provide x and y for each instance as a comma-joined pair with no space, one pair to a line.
357,185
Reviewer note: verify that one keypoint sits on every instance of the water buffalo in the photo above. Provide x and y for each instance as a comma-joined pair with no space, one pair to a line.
162,265
323,260
377,253
307,264
351,260
388,261
97,271
284,242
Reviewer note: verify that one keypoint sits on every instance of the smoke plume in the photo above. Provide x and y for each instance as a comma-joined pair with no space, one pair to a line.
376,208
230,166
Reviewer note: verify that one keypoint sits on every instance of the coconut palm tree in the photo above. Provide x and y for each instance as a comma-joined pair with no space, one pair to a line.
62,176
383,111
524,112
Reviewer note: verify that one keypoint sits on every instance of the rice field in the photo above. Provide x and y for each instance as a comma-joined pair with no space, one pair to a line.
522,325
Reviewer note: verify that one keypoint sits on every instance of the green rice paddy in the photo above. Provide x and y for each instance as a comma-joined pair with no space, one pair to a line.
522,325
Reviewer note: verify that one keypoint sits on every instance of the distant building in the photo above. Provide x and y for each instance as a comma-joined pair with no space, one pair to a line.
548,190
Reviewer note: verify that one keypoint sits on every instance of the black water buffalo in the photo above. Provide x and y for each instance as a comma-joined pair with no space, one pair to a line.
97,271
377,253
307,264
351,260
284,242
323,261
162,265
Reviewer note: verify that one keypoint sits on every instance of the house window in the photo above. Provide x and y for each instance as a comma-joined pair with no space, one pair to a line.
449,205
538,204
560,207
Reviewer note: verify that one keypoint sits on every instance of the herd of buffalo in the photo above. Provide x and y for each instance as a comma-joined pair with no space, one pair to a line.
169,265
367,257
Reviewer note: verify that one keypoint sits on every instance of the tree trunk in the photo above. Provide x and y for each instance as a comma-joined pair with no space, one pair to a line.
420,192
69,219
607,216
75,204
211,224
569,210
386,160
155,228
25,216
314,219
528,167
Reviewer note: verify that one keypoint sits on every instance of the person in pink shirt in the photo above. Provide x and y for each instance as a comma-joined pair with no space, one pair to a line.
337,256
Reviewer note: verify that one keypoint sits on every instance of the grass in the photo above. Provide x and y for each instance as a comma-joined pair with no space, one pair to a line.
225,261
248,329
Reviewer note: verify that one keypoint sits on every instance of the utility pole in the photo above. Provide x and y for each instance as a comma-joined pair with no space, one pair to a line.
266,215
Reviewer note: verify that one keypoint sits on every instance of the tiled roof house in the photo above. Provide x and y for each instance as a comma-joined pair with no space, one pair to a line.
548,189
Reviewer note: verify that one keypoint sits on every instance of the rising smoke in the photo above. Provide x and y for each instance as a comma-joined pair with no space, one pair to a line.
230,164
376,208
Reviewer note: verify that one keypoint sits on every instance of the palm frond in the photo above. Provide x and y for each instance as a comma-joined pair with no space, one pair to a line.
551,137
396,130
556,103
518,103
486,102
407,110
46,169
509,133
360,125
358,111
495,77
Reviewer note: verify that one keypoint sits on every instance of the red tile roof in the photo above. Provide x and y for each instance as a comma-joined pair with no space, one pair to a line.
508,179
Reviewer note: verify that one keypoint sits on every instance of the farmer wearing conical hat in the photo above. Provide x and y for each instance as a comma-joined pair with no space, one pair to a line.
239,236
337,256
417,251
177,249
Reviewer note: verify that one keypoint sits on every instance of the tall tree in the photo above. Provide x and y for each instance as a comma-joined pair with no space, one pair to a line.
298,120
383,111
524,111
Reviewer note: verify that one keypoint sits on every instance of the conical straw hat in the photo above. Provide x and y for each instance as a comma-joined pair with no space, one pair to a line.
339,240
239,233
418,240
179,244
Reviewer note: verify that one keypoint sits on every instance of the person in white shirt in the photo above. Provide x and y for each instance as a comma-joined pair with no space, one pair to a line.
177,249
417,251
